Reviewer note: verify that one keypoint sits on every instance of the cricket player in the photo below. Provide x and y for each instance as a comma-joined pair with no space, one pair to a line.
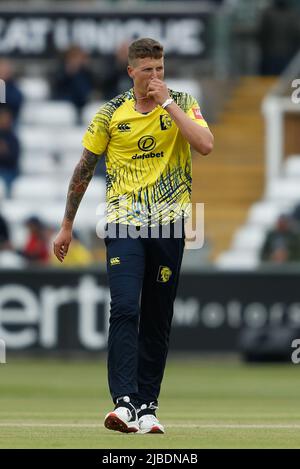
146,134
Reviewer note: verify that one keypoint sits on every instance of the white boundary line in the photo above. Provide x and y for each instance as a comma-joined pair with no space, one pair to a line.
174,425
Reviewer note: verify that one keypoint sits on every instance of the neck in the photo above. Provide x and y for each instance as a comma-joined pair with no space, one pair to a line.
142,99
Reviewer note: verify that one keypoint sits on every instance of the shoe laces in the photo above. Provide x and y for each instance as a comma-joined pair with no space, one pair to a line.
151,406
147,409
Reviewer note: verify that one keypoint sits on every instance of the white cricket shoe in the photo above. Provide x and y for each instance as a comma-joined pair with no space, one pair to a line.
148,422
123,418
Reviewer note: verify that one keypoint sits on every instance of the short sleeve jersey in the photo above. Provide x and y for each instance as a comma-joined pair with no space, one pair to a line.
148,161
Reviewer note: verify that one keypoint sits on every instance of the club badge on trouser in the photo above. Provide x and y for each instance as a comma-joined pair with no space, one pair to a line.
164,274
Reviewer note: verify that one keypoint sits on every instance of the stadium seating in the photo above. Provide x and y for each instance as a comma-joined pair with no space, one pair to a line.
48,113
249,238
285,188
281,196
188,85
43,163
2,189
55,141
292,166
237,260
37,139
34,88
89,111
38,163
39,188
265,213
16,211
10,260
34,188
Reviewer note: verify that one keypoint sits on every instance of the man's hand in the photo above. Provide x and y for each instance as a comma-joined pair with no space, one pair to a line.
61,243
158,90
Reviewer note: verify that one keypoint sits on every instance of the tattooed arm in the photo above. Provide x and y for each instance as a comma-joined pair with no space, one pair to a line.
82,175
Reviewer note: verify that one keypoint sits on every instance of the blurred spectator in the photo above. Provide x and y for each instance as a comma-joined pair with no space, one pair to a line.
14,97
117,79
8,257
9,149
4,234
36,249
278,36
296,214
74,81
282,243
78,255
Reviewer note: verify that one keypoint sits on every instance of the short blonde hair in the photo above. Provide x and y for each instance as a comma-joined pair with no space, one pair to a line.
145,47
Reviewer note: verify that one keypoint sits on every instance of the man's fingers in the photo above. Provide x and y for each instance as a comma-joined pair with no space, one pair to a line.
61,245
156,83
157,80
56,249
60,250
150,88
153,86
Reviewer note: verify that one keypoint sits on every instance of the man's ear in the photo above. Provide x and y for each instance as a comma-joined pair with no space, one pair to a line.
130,71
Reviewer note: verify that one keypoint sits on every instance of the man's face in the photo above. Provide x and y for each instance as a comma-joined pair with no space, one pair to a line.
142,71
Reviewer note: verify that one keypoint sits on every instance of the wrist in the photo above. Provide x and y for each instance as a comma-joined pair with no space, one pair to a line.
167,102
67,225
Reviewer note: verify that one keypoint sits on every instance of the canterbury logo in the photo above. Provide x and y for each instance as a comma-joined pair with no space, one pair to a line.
164,274
124,127
115,261
91,128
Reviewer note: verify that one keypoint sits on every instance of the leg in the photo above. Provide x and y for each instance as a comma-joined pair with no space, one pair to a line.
158,295
125,267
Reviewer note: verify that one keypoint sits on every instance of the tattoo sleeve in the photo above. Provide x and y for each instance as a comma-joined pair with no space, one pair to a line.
82,175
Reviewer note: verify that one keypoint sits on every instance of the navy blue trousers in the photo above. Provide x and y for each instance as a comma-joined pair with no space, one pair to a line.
143,277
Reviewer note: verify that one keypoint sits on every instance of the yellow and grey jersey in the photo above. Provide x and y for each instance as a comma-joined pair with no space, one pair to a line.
148,161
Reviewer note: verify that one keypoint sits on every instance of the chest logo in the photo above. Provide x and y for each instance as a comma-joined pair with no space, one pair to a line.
147,143
165,122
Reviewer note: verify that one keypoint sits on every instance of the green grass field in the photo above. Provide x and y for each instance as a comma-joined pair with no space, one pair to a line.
203,404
